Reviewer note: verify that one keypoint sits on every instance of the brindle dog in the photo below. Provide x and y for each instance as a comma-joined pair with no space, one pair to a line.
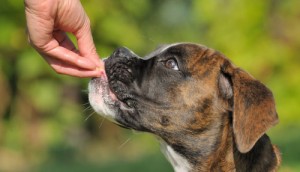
209,114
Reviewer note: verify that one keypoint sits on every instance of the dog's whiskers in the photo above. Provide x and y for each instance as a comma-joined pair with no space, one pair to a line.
85,91
123,144
89,116
85,103
87,108
101,123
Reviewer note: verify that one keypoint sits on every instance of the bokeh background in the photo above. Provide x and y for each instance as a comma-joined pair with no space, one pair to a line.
46,123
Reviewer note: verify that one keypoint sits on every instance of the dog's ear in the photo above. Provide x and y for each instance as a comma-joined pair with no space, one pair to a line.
253,105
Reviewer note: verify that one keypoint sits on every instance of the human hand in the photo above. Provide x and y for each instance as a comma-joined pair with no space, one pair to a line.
47,24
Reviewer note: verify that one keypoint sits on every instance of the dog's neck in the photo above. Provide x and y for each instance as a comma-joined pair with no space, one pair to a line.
216,151
203,151
179,162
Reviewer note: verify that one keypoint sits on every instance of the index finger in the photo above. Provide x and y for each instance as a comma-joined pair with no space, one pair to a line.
70,57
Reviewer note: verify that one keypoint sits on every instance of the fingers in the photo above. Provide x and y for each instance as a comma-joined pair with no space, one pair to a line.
80,27
55,46
64,41
65,52
62,54
86,44
61,67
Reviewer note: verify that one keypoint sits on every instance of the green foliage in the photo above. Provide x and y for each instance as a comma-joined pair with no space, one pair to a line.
45,123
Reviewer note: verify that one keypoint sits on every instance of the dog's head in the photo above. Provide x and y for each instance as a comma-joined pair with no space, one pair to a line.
183,89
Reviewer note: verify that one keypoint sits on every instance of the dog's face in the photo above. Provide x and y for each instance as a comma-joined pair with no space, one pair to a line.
181,89
160,93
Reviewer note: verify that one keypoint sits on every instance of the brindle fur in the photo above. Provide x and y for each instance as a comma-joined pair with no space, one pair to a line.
212,113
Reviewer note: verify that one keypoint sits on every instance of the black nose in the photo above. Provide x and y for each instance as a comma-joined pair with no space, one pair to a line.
123,53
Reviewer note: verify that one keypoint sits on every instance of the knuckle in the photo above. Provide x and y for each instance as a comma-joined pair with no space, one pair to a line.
29,41
87,25
87,21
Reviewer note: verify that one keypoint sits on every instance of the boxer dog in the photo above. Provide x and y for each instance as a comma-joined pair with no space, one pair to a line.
208,114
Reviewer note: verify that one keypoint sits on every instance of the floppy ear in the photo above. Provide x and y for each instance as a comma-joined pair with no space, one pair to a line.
253,106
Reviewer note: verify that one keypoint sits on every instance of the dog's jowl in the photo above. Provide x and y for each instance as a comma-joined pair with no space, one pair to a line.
208,114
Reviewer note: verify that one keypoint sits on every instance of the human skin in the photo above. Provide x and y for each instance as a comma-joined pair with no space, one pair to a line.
48,21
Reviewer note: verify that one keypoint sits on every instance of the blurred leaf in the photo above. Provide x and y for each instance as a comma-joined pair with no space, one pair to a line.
31,65
45,95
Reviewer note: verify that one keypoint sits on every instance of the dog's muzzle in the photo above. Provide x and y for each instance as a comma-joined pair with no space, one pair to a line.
110,92
120,69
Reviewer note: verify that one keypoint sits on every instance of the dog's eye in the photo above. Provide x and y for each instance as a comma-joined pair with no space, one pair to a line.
172,64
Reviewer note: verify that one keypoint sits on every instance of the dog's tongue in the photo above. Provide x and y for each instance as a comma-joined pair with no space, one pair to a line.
103,76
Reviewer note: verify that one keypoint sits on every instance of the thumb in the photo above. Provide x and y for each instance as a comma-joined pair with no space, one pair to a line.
86,44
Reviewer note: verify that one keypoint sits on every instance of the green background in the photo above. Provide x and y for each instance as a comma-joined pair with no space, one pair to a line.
46,123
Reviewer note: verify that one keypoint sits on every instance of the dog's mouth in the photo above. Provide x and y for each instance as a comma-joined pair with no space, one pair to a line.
120,78
101,98
109,94
105,96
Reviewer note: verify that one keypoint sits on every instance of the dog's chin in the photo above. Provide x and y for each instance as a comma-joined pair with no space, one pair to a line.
103,100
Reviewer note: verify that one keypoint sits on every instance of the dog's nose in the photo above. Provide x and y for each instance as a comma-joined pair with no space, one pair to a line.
123,53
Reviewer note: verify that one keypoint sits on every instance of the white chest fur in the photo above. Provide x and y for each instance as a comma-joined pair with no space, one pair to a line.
179,163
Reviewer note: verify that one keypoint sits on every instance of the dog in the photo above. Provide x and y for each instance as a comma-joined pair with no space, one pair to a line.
208,114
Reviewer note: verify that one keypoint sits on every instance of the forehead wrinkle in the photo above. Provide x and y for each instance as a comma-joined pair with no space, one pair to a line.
194,61
160,50
165,47
205,63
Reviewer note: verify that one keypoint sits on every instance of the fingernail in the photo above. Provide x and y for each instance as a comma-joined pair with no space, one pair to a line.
101,65
98,73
